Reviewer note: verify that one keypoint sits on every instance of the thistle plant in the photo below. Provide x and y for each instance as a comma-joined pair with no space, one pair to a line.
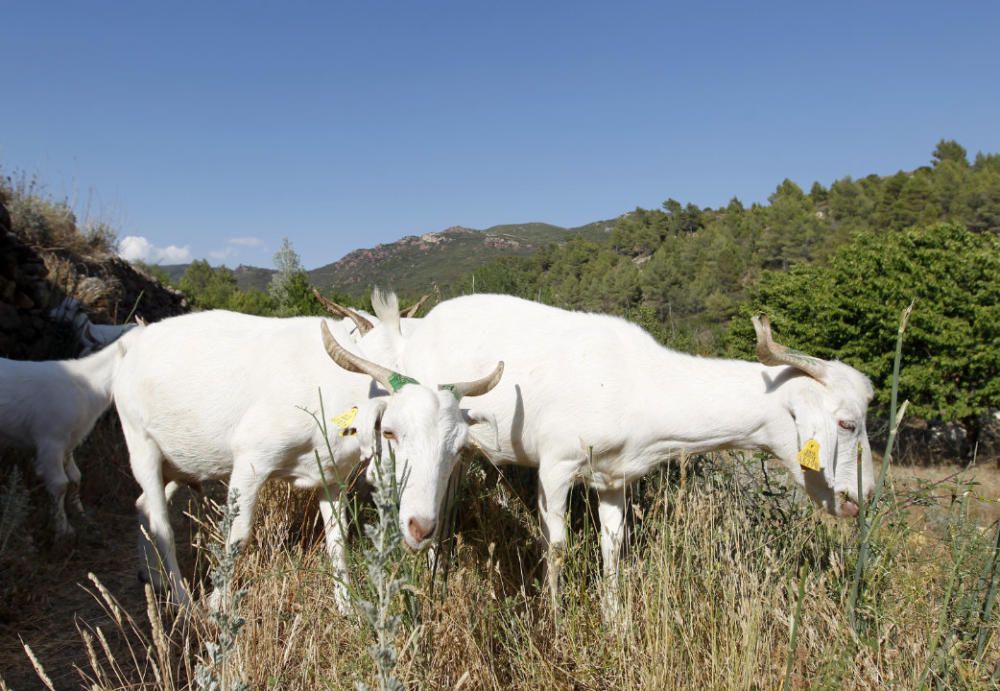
215,675
382,560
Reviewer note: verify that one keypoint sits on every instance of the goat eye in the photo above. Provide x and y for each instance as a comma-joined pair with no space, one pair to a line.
849,426
389,434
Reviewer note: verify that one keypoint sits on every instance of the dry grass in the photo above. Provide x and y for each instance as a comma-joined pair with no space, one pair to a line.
945,483
50,225
708,584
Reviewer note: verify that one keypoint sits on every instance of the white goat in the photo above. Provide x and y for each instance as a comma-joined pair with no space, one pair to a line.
51,406
225,396
594,398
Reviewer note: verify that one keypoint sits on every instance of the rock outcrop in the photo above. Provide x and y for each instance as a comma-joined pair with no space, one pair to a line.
34,280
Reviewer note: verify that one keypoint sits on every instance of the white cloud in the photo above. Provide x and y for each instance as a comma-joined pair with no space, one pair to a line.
245,242
136,247
233,246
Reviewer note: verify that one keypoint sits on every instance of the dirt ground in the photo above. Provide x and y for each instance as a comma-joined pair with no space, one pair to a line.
45,594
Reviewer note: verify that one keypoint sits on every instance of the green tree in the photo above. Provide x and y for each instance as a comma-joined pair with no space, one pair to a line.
286,265
289,288
299,299
849,309
207,287
850,204
950,150
252,301
982,197
794,231
640,232
506,275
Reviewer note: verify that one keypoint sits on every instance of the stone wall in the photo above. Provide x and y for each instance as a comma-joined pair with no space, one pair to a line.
35,280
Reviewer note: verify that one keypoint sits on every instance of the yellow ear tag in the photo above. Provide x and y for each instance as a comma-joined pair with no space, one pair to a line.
809,455
344,420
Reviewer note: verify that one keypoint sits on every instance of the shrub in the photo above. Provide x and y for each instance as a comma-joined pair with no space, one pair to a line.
848,309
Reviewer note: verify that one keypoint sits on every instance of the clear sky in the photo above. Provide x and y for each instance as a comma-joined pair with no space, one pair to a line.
214,129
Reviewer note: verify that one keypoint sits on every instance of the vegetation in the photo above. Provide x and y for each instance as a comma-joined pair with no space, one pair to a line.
209,287
696,267
49,224
414,265
845,308
709,587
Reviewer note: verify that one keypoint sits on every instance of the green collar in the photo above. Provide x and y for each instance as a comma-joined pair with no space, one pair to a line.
397,381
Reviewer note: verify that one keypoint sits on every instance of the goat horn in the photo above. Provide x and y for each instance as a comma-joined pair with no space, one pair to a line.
390,381
415,307
364,326
477,387
774,354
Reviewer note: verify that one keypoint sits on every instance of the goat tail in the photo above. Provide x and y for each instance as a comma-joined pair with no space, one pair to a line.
386,306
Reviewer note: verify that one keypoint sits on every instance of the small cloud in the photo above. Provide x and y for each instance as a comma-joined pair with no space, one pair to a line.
233,247
245,242
137,248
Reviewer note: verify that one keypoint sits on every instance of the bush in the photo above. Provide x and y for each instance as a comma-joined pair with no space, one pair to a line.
849,309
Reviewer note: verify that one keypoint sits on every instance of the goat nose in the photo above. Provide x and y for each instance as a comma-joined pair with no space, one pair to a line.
420,529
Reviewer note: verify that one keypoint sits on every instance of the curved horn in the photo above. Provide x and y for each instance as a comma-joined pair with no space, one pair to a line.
364,326
355,363
773,354
415,307
477,387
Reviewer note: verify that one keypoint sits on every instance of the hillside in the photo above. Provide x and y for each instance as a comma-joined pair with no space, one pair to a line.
246,276
413,263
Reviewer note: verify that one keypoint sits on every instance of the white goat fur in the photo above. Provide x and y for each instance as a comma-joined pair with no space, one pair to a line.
219,395
385,303
594,398
51,406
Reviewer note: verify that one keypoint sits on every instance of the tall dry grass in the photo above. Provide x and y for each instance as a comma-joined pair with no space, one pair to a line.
709,588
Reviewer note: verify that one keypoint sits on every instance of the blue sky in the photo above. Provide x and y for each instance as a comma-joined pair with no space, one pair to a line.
216,129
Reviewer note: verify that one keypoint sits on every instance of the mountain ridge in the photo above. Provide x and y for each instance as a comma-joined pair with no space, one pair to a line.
415,263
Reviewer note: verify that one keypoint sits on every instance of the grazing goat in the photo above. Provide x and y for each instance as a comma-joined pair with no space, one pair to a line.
225,396
51,406
593,398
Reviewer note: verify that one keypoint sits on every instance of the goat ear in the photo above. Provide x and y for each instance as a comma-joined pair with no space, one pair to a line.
478,417
368,422
812,422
